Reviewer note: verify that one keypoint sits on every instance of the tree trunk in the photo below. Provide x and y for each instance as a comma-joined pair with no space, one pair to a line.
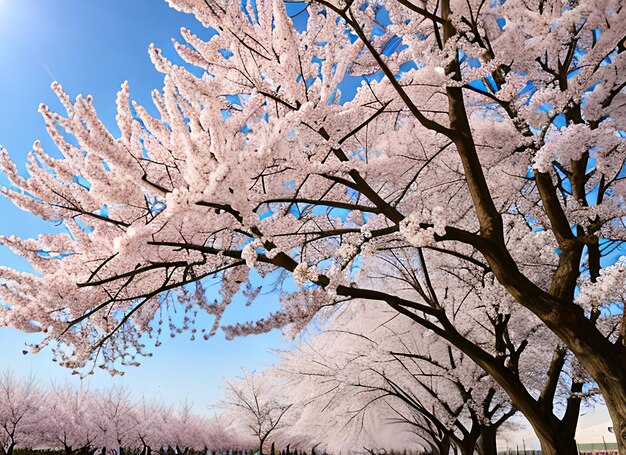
605,362
555,443
487,441
614,395
554,437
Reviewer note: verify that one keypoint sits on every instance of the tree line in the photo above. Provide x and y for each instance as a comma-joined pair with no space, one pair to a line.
79,420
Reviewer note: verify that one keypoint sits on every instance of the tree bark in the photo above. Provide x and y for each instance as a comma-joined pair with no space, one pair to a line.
614,395
487,441
557,444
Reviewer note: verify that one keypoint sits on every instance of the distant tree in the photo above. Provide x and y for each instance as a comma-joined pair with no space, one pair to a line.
152,428
20,406
115,419
257,403
189,430
69,420
221,432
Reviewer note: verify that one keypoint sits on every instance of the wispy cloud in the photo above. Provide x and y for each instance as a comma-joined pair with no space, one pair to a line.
47,69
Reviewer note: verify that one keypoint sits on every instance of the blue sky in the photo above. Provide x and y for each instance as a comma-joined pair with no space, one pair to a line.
91,47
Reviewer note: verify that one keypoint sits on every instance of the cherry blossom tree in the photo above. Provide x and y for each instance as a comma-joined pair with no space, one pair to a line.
115,419
487,138
20,406
82,421
153,425
189,430
69,420
437,440
340,409
390,362
256,401
222,432
540,374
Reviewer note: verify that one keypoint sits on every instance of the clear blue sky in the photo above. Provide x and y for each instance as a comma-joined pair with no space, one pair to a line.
91,47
